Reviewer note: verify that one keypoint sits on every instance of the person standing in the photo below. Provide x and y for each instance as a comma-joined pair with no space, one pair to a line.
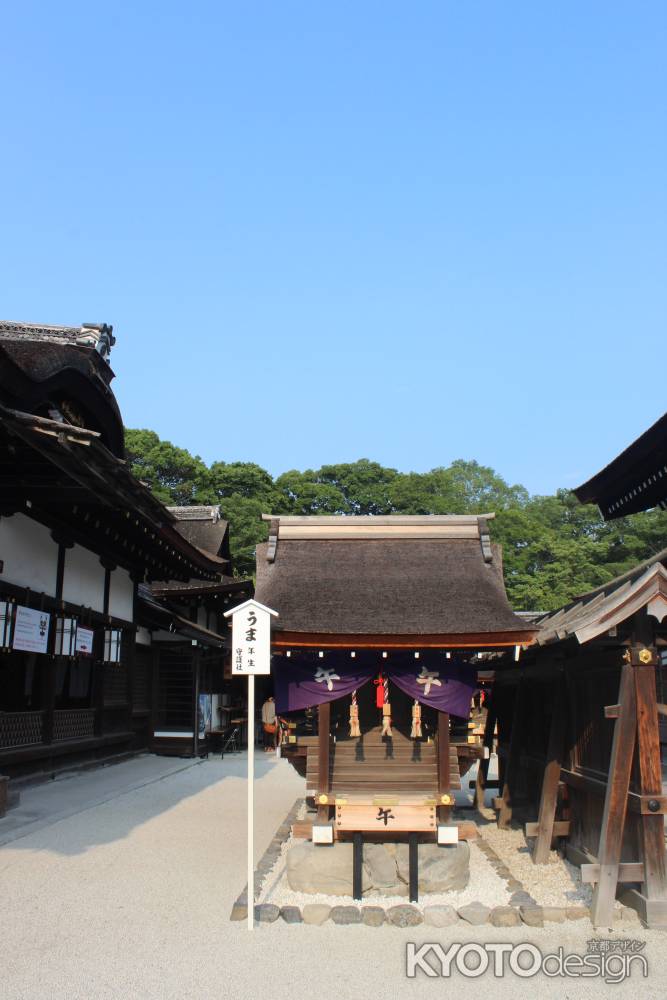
269,724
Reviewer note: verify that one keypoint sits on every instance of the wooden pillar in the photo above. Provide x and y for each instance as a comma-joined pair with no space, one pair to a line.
554,762
615,800
483,767
413,866
323,753
444,777
651,824
357,864
50,685
512,763
195,698
131,656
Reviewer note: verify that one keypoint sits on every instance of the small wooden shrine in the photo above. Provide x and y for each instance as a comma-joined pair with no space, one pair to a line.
380,620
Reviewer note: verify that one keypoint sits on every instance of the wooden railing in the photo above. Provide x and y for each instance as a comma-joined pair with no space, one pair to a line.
73,723
20,729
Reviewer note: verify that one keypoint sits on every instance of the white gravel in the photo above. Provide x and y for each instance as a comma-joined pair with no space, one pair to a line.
556,883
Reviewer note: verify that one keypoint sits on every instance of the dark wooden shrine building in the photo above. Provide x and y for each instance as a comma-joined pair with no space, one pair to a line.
188,645
78,536
379,621
579,717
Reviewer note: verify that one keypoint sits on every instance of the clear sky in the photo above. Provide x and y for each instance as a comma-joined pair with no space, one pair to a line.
409,231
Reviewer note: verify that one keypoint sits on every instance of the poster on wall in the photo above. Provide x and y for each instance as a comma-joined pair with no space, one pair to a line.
84,641
204,715
31,630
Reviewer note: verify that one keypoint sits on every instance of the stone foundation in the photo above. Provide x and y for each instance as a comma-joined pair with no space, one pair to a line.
328,869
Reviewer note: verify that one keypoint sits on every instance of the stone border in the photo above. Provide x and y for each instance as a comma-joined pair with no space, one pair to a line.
522,909
266,863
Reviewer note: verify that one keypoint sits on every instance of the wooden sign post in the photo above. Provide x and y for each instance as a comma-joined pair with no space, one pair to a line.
251,654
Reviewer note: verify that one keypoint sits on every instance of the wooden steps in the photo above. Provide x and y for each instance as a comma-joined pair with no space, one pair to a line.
378,765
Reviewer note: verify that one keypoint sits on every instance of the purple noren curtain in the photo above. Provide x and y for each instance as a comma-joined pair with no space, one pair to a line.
303,680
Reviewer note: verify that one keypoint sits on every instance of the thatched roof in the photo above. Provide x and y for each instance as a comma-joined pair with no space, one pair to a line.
409,576
203,527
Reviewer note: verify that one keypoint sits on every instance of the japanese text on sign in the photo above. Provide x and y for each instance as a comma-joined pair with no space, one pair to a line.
251,640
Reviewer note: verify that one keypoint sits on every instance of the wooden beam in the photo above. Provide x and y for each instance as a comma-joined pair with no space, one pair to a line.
628,871
323,746
651,821
549,796
616,801
449,640
512,764
444,772
559,828
482,782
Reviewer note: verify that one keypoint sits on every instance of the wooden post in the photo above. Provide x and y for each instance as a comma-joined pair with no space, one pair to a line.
444,777
615,800
549,796
357,859
251,802
512,763
483,767
323,752
413,866
651,825
195,698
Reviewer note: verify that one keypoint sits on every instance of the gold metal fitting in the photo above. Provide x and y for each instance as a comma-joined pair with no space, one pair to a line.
645,655
446,800
323,799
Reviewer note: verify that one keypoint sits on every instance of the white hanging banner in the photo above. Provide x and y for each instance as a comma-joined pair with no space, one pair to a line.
84,641
251,639
31,630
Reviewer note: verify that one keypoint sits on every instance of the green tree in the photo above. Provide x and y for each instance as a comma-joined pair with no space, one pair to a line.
554,548
174,475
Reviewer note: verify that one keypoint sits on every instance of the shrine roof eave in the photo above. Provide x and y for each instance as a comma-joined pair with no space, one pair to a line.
326,640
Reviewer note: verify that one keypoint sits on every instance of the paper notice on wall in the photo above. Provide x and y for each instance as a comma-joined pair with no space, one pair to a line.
84,641
31,630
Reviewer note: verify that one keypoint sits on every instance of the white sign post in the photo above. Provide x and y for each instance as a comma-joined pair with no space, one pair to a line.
251,654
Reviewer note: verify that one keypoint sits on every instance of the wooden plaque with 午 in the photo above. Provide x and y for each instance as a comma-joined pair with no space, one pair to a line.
385,818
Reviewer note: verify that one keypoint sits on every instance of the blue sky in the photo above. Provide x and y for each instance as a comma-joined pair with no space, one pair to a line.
404,231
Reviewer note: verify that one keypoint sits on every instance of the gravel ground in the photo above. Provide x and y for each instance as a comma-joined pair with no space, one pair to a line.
557,883
128,898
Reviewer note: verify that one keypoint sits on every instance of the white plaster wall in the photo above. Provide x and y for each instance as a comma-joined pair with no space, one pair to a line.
29,553
84,578
143,637
202,617
121,595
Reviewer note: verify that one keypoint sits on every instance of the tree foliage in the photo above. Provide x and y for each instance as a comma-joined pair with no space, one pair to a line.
554,548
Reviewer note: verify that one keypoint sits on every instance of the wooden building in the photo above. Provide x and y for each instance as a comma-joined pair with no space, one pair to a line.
192,699
636,480
78,536
380,619
580,717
